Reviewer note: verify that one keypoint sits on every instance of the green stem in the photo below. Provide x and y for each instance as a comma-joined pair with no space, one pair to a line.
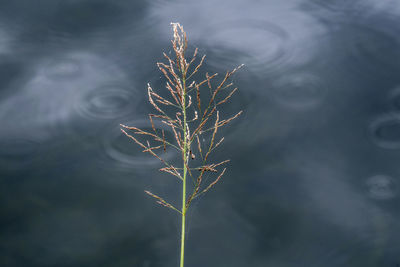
183,240
184,175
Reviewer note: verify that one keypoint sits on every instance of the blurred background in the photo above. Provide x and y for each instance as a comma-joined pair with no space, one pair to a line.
314,172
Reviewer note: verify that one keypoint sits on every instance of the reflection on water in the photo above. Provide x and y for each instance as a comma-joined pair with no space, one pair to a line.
313,178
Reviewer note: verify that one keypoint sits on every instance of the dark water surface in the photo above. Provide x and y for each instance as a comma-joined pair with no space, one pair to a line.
314,178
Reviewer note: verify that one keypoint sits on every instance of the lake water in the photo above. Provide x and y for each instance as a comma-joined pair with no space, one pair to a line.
314,177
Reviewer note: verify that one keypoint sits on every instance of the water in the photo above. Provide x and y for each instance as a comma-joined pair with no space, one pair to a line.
314,177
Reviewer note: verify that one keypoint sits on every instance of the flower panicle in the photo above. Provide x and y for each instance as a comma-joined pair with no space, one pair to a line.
179,131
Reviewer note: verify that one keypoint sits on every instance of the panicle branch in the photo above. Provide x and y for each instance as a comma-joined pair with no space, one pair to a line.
177,70
213,183
161,201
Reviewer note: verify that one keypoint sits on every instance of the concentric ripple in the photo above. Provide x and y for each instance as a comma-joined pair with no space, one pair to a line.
385,131
259,44
381,187
299,90
128,154
106,102
74,93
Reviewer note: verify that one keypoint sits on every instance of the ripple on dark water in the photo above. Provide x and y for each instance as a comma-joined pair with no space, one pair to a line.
106,102
17,154
381,187
385,131
127,153
255,43
299,90
63,68
70,95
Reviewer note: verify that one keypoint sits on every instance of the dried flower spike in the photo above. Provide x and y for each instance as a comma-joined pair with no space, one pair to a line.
186,130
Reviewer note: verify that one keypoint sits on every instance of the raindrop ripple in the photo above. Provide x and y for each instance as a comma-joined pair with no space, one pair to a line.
299,90
106,102
385,131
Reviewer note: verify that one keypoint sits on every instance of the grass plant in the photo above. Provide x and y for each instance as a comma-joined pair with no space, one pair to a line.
190,109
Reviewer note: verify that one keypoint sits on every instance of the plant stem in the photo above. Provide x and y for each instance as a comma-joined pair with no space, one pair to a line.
183,240
184,174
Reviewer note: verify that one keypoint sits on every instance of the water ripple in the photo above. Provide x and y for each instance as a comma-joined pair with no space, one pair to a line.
68,95
106,102
255,43
385,131
299,90
381,187
128,154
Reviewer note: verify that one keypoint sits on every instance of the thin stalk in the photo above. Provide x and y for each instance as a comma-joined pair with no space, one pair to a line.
176,72
184,174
